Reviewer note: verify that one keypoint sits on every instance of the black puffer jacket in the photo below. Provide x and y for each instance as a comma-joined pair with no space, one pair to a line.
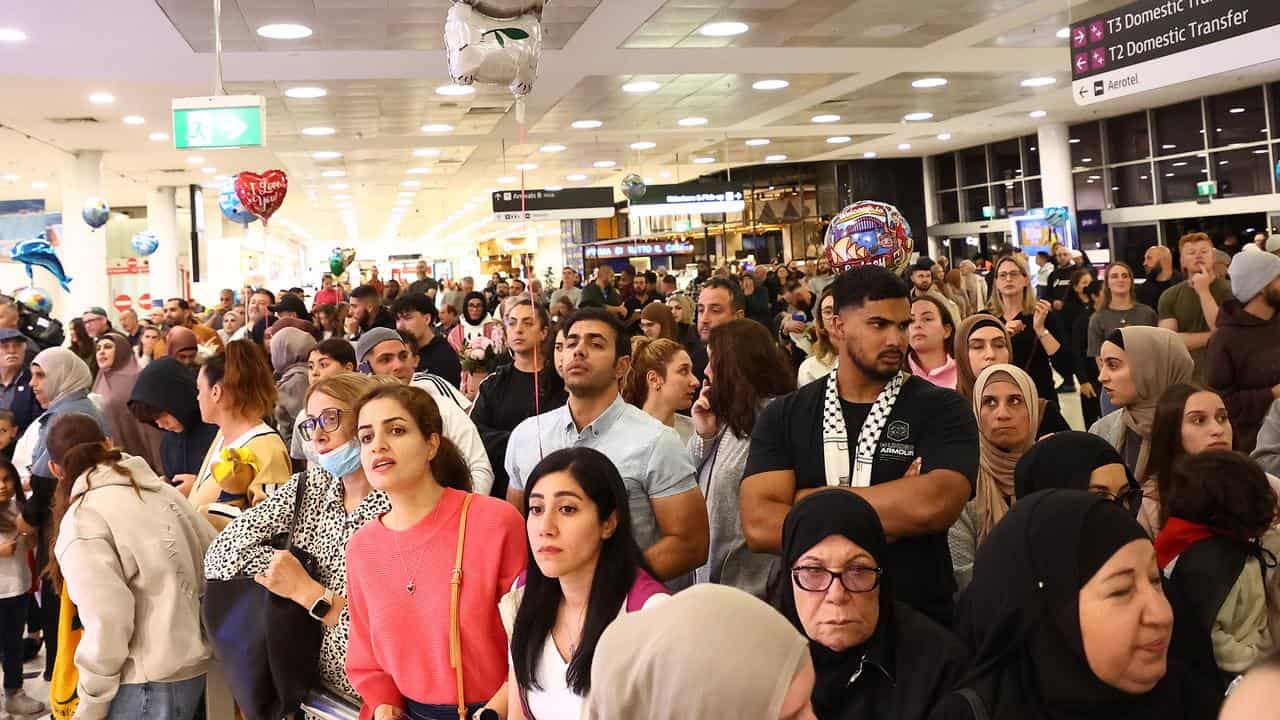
169,386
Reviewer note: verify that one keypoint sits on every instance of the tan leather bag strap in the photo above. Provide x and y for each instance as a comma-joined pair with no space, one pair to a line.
455,592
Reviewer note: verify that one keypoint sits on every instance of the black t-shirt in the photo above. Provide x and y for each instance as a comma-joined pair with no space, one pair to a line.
593,296
927,421
1150,291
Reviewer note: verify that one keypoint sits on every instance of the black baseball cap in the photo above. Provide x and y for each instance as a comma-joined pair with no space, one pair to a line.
290,303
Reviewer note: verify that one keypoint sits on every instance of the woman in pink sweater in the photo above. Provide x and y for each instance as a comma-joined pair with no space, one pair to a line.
400,656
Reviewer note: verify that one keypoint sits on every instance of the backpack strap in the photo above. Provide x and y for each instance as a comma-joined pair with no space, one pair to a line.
455,591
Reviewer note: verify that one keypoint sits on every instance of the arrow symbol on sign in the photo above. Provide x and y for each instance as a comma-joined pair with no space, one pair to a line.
1079,38
233,127
1083,91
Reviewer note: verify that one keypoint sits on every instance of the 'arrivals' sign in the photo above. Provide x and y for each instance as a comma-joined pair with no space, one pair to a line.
1151,44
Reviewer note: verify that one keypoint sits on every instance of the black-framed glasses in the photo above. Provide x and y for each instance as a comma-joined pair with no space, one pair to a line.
328,420
855,579
1129,498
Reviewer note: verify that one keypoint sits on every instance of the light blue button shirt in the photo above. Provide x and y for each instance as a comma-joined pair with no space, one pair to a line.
649,456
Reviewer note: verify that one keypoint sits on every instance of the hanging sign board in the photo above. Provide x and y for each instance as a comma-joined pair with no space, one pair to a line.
1151,44
689,199
220,121
567,204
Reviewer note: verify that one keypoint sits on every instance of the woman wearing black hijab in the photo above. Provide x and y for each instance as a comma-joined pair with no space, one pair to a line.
1083,461
1067,619
874,657
1077,460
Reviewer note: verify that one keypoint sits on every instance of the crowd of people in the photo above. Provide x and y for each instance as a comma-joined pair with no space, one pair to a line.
787,491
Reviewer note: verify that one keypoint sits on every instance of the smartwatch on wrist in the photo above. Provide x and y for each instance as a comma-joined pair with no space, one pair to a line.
321,607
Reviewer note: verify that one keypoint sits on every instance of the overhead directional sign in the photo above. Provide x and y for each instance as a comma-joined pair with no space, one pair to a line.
220,121
1151,44
689,199
568,204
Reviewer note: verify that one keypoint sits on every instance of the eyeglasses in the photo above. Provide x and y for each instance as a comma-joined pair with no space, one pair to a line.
328,420
1130,498
1009,275
856,579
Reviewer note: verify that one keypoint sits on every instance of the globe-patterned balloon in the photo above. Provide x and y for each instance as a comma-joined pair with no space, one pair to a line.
232,208
145,242
339,259
633,187
95,212
869,233
34,298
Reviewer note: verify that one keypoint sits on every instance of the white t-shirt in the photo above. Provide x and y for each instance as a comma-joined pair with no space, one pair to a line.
555,699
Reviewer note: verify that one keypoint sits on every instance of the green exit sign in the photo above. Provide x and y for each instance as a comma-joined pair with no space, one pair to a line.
220,121
1206,189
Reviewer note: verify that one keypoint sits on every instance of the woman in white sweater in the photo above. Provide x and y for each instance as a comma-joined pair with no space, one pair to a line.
130,551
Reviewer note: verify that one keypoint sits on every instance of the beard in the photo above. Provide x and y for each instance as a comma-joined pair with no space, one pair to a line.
873,368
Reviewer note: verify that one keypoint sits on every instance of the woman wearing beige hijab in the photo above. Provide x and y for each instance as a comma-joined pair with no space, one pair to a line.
1008,411
1136,365
709,652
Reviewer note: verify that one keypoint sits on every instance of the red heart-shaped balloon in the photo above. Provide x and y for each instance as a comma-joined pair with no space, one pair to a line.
262,194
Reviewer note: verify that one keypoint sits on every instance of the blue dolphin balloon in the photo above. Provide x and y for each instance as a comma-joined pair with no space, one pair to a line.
39,252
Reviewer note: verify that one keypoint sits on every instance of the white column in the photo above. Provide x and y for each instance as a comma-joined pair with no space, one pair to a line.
1055,167
83,251
162,219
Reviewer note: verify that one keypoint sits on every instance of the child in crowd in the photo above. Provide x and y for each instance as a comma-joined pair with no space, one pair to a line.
8,433
15,587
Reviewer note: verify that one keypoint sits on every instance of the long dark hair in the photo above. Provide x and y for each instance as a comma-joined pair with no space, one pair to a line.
747,367
1166,437
77,445
619,562
8,521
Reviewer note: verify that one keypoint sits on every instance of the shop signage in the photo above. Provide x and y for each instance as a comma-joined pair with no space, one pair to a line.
221,121
568,204
689,199
637,249
1151,44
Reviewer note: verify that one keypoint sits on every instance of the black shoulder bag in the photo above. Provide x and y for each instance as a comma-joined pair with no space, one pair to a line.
268,646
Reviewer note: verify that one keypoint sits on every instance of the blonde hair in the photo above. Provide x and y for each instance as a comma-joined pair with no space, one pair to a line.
647,354
686,307
348,387
1028,293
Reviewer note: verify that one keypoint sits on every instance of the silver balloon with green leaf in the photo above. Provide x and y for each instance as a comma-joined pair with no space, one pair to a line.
502,51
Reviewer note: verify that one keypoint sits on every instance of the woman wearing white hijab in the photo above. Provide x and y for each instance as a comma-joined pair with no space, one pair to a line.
709,652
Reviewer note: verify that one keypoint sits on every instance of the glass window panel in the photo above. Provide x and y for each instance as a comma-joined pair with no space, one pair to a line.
1128,138
1008,198
1242,172
1275,110
948,207
973,165
1006,161
1033,155
1089,190
1130,243
1178,178
974,201
1131,185
1237,117
1035,197
944,171
1086,145
1178,128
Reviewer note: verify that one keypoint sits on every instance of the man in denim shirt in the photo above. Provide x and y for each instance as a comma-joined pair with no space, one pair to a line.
668,512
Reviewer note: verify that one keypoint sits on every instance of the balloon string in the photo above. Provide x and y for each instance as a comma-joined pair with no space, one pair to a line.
537,403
